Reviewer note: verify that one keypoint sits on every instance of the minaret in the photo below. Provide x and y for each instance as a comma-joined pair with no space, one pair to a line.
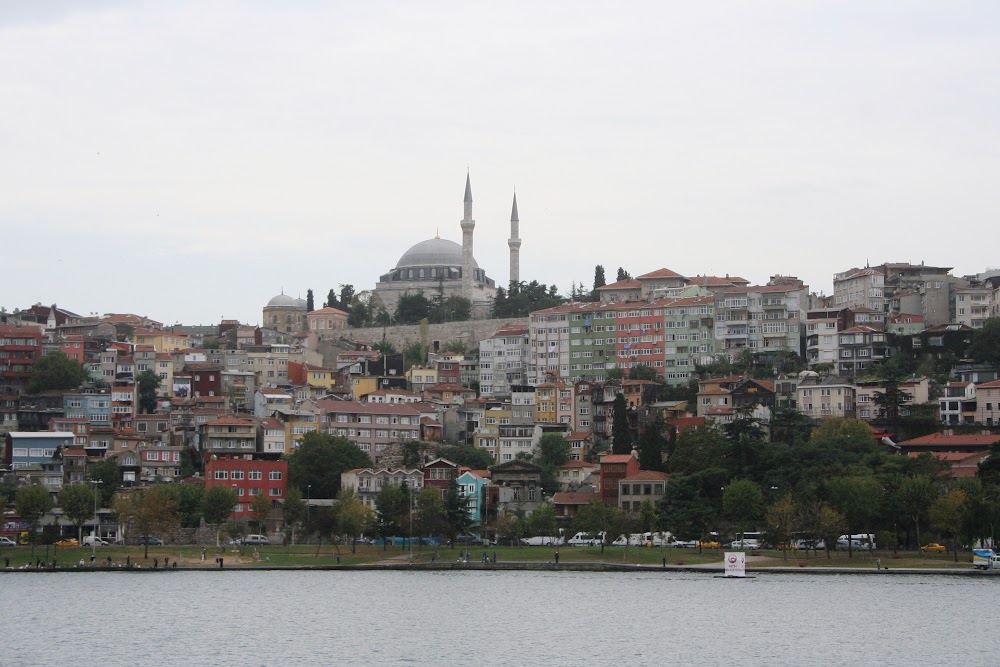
468,225
514,243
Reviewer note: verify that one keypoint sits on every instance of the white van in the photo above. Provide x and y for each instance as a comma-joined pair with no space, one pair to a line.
255,540
859,542
586,539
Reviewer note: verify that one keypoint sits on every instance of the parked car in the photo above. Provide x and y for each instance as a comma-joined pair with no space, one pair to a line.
818,545
68,542
712,544
747,544
151,541
7,542
95,541
934,547
255,540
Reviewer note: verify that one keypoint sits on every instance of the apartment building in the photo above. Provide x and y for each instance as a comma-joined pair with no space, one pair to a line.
372,427
503,361
826,396
973,305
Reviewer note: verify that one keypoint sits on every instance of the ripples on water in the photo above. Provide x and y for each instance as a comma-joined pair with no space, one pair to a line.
487,618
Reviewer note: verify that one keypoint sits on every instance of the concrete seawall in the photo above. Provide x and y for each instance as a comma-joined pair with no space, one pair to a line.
513,566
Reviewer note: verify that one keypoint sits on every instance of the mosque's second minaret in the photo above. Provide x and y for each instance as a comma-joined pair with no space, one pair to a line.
514,243
468,226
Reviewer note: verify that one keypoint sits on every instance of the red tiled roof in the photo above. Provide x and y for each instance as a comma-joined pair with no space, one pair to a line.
661,273
989,385
717,280
682,423
935,439
328,310
578,464
617,458
338,407
230,421
628,283
718,391
647,476
719,411
448,387
760,288
511,330
574,497
577,435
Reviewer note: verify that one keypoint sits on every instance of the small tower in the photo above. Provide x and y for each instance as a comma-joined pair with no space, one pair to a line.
468,226
514,243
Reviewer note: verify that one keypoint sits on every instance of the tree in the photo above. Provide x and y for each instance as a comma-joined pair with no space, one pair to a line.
331,300
146,511
652,444
599,281
293,511
319,461
352,515
147,382
78,502
217,505
310,304
916,494
261,508
431,517
553,450
622,274
542,521
456,514
463,455
346,297
506,527
392,508
946,515
32,503
594,517
742,502
411,308
698,448
109,477
985,344
781,523
859,498
56,372
621,431
188,499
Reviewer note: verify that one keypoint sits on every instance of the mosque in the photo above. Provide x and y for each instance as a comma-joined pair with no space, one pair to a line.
437,266
432,267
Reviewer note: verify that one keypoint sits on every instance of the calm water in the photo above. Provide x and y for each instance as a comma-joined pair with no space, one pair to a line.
484,618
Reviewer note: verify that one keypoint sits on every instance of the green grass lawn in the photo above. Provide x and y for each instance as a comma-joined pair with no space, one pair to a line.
327,554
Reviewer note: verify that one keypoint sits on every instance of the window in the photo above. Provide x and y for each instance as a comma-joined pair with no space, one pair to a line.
221,474
274,475
255,475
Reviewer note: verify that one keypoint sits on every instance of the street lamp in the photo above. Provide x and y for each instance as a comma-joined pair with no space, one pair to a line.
97,521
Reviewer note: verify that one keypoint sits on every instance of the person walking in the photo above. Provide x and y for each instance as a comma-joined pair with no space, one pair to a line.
557,556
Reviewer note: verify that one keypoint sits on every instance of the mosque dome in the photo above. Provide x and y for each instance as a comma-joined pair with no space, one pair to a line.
286,301
433,252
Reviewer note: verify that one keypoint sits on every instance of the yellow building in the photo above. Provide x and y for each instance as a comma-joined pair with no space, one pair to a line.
546,403
162,341
317,376
487,436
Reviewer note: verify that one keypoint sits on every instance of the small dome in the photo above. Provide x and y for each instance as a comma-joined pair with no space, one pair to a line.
433,252
286,301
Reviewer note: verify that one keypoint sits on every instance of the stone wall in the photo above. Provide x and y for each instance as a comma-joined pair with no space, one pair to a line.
470,333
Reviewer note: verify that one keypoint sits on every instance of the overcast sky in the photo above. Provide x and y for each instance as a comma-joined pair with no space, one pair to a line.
189,160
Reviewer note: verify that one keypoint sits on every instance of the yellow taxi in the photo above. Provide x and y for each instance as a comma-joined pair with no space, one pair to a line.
68,542
934,547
